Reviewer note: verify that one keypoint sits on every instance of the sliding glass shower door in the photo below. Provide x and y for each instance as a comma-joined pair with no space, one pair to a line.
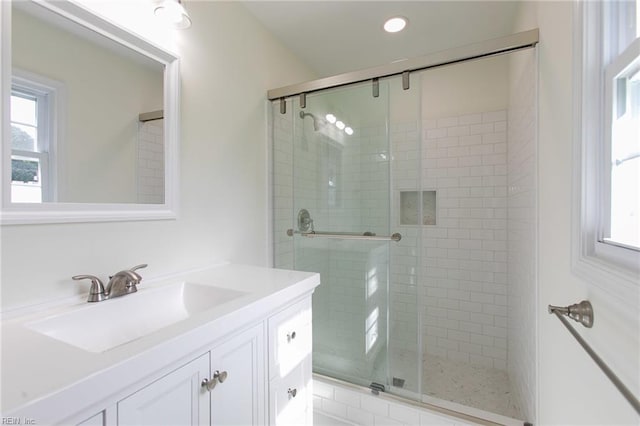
333,194
341,178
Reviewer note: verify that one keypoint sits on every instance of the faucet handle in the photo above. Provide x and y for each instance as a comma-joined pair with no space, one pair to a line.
136,275
96,292
135,268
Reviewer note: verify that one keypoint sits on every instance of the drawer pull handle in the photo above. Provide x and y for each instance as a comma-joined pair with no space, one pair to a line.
220,376
291,336
209,384
292,392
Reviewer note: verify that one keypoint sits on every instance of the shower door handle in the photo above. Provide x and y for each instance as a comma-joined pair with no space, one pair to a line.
369,236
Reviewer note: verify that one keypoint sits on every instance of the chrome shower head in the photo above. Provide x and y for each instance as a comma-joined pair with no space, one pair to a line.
313,117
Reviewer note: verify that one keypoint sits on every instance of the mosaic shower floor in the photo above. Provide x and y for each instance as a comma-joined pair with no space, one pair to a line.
471,385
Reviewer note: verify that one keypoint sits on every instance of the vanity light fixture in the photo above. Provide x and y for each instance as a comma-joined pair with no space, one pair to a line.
174,13
395,24
348,130
331,118
340,125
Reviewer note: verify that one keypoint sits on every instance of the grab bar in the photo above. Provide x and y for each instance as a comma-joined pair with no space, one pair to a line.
583,313
346,235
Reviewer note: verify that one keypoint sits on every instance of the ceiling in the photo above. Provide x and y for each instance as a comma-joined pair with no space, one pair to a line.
334,37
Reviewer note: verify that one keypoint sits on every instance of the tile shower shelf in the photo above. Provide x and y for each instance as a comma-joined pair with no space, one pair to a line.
412,202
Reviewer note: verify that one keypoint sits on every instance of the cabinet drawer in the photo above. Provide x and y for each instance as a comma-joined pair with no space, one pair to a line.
290,340
290,397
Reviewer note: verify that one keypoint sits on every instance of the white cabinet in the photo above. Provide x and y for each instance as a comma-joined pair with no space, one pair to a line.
174,399
240,398
95,420
260,340
256,373
235,395
290,348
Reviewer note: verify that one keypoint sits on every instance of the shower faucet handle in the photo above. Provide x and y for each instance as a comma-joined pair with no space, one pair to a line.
305,223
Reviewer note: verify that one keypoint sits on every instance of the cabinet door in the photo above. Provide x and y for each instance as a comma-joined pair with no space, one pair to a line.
96,420
240,398
174,399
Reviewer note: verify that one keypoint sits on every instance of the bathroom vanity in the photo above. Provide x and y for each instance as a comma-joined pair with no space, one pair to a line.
230,344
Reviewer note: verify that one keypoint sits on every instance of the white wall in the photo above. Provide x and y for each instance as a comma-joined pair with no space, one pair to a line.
572,390
228,63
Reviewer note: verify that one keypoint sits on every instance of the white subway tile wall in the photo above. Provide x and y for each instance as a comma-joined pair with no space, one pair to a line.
521,235
404,336
361,408
150,170
463,270
350,321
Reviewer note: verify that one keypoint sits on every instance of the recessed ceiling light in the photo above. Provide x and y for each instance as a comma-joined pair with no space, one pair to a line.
395,24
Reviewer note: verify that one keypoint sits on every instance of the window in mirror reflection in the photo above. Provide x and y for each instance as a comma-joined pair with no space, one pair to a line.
32,181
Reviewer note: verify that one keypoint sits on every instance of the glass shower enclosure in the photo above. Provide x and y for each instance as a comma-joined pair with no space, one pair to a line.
416,204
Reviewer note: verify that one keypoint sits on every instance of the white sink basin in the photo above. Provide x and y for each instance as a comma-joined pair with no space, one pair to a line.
98,327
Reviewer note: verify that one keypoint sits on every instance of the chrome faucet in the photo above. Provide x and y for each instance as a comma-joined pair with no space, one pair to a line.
120,283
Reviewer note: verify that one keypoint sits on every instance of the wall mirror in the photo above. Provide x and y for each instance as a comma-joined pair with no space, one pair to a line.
89,118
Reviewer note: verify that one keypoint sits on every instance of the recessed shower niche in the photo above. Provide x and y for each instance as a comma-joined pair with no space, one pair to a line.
413,202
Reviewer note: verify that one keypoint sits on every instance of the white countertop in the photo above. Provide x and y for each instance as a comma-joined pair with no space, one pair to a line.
40,373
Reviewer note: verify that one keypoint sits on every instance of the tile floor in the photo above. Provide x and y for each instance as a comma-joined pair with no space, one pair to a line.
467,384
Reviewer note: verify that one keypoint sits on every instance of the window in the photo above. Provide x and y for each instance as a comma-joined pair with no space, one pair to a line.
607,190
33,139
621,221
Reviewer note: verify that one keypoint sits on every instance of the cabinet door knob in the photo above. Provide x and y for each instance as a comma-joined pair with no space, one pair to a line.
209,384
291,336
220,376
292,392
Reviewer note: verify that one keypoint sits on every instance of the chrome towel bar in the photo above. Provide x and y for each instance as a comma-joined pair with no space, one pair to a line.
583,313
346,235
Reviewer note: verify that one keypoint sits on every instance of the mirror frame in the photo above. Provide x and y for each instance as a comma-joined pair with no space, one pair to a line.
26,213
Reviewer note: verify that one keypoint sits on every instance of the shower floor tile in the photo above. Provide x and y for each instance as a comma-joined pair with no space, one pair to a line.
467,384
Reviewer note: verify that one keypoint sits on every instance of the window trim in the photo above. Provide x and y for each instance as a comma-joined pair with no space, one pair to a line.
54,126
611,268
